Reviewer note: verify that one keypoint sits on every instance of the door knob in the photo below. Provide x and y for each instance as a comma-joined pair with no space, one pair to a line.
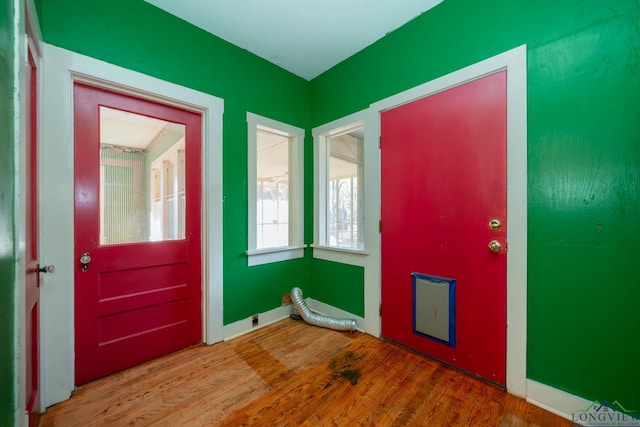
47,269
85,259
495,246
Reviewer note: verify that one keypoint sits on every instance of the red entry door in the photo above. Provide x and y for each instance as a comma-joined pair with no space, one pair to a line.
443,167
32,292
137,231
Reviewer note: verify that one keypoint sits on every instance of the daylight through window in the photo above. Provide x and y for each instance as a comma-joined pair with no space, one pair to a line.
275,178
344,203
272,189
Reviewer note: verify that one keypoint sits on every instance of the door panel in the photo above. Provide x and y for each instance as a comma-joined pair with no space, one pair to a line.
32,291
140,224
443,167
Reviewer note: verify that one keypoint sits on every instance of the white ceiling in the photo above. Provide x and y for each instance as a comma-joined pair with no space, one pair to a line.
131,130
306,37
127,129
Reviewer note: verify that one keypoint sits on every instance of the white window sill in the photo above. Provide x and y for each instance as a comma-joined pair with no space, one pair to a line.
266,256
341,255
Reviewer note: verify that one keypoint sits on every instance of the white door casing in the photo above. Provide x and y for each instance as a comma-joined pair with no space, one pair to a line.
515,62
61,69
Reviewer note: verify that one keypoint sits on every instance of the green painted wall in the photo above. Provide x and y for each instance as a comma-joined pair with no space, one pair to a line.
584,154
338,285
7,196
141,37
584,167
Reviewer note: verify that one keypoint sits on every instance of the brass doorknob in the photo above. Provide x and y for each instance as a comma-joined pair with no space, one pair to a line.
495,246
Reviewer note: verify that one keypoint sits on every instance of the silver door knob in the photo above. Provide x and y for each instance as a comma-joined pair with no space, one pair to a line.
47,269
85,259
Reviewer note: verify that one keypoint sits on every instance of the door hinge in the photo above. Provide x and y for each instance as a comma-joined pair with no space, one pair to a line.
26,51
380,310
380,226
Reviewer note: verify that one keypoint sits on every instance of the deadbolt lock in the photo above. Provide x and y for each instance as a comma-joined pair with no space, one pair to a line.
494,224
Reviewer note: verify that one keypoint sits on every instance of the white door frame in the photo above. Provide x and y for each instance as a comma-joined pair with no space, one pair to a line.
61,69
514,62
27,36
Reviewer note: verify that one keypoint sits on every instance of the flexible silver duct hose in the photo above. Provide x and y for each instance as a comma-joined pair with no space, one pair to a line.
318,319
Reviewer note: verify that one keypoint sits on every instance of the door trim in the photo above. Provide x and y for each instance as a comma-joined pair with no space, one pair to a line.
62,68
515,62
26,31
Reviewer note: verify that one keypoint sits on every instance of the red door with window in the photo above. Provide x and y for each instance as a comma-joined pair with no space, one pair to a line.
137,231
32,283
443,168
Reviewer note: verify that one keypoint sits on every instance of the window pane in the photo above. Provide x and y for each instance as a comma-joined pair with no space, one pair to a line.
272,167
344,190
141,178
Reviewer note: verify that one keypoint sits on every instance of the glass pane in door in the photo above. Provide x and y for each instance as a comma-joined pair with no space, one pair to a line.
142,189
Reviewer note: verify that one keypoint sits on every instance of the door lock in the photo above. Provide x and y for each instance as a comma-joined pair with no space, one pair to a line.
494,224
495,246
47,269
85,259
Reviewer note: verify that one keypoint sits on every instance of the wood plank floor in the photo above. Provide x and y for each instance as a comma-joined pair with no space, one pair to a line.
294,374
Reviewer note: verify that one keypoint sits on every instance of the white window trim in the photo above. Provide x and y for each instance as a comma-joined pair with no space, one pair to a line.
320,249
296,246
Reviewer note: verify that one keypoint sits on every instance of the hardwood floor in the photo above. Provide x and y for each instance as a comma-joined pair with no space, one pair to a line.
294,374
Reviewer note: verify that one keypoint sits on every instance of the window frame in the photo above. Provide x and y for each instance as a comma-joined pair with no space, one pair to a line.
321,249
295,248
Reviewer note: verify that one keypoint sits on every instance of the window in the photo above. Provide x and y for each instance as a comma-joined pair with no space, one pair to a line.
168,201
344,180
275,159
339,186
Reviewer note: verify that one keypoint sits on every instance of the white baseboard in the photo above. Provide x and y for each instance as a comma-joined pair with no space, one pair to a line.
329,310
244,326
556,401
578,410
